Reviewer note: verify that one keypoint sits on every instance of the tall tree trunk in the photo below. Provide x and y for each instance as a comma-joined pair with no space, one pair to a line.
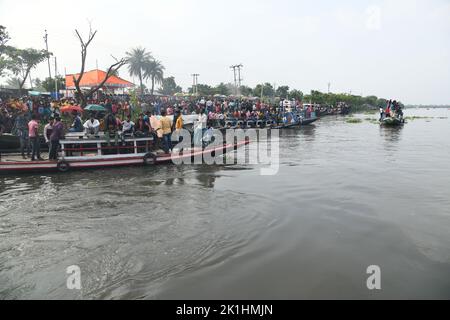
142,85
153,85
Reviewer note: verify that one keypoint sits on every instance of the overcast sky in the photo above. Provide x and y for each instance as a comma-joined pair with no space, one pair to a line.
390,48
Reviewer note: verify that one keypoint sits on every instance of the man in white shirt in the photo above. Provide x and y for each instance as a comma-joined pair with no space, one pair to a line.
200,127
127,126
92,126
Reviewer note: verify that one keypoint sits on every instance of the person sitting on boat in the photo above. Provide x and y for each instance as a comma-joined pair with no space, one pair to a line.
155,126
209,134
111,128
77,124
127,126
92,126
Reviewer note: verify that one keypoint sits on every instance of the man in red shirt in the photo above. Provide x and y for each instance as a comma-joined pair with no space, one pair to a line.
33,128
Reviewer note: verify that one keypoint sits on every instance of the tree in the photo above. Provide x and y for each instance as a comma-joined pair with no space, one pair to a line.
13,83
111,70
24,60
49,84
138,59
264,90
246,91
154,70
296,94
169,87
4,38
203,90
282,92
222,89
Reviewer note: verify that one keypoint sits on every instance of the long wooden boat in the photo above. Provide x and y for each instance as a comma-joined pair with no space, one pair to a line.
100,152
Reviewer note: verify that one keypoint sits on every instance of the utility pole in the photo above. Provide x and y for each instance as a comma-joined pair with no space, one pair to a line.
237,78
239,74
195,83
56,80
329,85
48,58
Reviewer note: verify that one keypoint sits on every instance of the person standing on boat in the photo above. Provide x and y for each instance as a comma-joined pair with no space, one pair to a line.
179,123
388,109
33,133
22,131
47,132
381,113
55,137
166,127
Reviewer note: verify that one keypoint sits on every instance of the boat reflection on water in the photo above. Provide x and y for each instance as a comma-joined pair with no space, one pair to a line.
391,134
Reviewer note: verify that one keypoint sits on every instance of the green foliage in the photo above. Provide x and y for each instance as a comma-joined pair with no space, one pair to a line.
169,87
222,89
24,60
246,91
138,60
282,92
265,90
49,84
353,120
4,49
13,83
154,70
296,94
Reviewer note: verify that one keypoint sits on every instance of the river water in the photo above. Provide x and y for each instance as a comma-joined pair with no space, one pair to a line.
347,196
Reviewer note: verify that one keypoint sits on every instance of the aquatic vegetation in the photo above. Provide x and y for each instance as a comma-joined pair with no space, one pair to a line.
417,118
353,120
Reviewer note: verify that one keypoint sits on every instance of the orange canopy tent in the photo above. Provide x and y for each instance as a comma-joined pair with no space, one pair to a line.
94,78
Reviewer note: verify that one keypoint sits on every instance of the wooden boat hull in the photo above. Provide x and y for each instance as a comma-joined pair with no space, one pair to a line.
16,167
392,122
9,141
306,122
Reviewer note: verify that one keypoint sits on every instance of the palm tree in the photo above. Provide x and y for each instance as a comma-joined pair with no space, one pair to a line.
13,83
155,71
137,59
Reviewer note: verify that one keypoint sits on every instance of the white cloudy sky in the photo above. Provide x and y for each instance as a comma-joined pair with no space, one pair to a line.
389,48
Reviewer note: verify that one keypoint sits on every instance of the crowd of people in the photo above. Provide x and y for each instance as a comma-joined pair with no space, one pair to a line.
393,110
32,117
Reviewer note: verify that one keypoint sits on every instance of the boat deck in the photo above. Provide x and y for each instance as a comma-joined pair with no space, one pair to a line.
17,157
